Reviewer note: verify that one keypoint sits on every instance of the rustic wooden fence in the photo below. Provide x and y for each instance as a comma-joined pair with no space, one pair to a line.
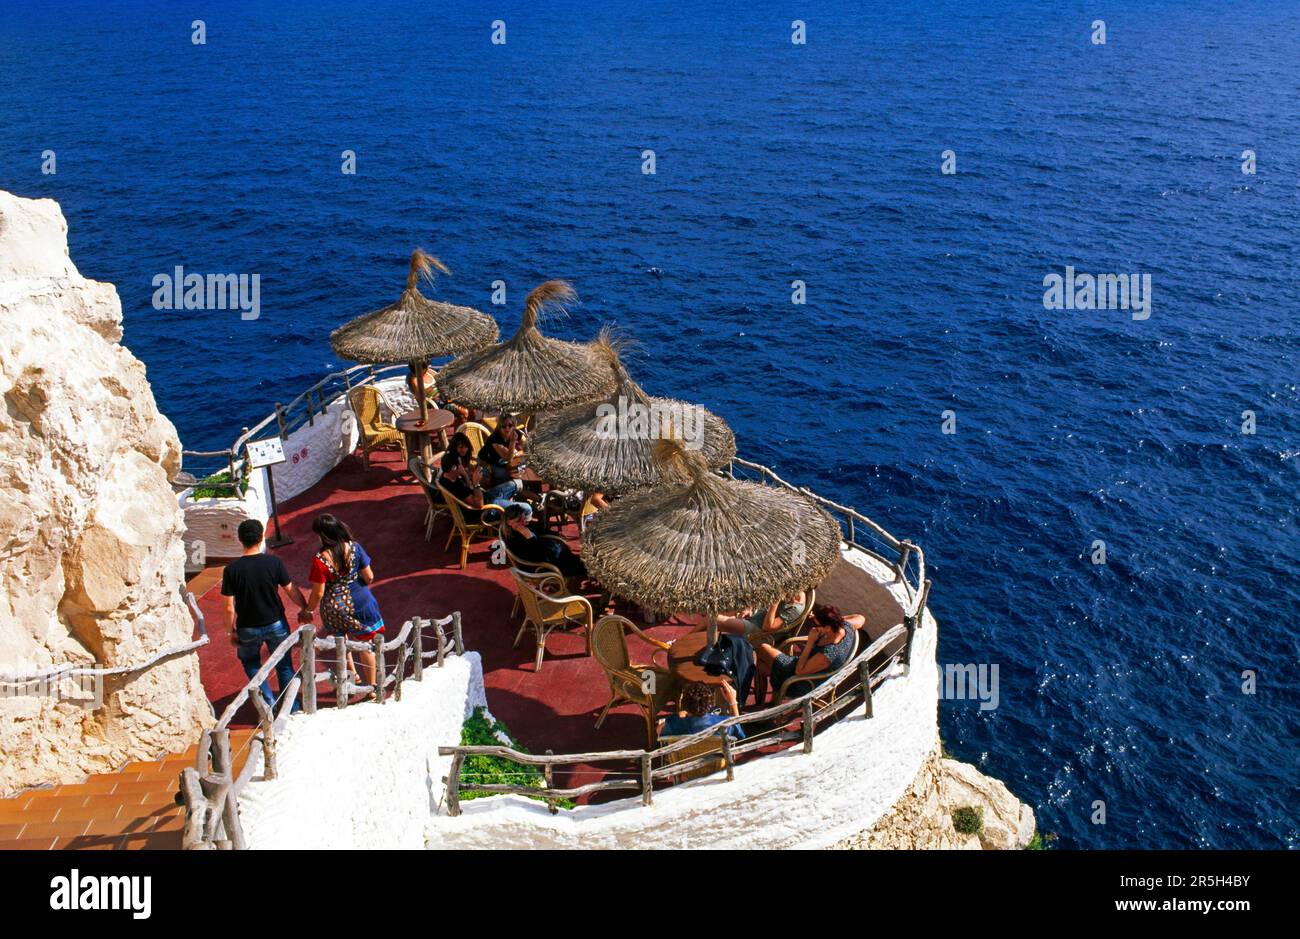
210,789
795,720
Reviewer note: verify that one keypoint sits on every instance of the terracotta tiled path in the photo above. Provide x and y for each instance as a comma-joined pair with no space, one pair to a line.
133,808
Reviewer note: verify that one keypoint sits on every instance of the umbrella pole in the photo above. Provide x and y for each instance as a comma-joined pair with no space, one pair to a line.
713,628
419,383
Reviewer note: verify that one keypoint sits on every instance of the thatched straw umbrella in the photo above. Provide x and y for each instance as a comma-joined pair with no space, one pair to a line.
706,543
529,372
415,329
607,445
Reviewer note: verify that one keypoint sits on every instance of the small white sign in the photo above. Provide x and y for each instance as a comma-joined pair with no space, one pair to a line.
265,453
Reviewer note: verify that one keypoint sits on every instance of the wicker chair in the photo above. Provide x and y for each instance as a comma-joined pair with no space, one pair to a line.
547,611
790,687
711,744
367,404
530,567
477,434
790,630
626,681
428,478
556,505
461,528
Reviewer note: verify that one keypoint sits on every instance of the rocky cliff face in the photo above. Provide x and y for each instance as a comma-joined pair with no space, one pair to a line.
91,551
923,817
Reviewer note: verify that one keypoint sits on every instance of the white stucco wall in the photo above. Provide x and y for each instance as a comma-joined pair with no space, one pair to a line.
858,769
367,776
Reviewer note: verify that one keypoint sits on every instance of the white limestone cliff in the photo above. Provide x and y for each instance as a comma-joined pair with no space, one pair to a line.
91,551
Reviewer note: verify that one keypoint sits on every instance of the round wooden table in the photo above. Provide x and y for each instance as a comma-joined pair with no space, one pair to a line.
418,433
681,660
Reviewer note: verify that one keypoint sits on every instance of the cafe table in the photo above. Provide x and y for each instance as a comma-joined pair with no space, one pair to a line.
419,433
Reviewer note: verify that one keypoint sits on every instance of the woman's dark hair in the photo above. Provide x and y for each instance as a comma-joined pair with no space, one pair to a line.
456,440
514,512
824,614
334,537
697,699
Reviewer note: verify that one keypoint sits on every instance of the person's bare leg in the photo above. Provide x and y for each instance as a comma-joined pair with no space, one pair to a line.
732,624
367,661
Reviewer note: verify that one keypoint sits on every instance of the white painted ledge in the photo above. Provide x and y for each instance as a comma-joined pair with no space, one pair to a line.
367,776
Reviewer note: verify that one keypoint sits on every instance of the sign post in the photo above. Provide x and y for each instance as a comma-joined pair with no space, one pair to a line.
267,453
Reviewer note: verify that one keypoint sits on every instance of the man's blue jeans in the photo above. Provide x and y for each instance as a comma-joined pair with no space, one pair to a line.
503,494
250,656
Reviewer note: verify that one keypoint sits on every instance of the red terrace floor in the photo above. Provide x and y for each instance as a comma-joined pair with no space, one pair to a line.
554,709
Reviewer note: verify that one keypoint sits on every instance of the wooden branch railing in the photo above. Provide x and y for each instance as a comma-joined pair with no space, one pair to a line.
851,686
210,789
49,675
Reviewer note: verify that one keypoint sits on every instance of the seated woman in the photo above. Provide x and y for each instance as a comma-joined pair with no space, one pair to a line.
755,624
460,476
827,647
501,456
526,545
698,712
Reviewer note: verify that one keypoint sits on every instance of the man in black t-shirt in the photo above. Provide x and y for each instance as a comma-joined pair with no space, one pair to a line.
254,612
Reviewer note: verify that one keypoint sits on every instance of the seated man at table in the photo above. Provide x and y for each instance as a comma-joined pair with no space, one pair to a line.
699,713
526,545
758,625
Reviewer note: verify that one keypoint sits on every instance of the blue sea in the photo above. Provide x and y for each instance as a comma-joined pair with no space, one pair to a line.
1119,683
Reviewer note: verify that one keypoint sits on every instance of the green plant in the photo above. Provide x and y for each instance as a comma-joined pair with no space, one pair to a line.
218,486
482,730
968,820
1041,842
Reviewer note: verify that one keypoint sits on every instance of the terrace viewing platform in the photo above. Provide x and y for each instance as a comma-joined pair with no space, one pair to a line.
548,710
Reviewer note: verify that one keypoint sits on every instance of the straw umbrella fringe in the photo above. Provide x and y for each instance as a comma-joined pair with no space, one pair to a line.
415,329
529,372
708,544
608,445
